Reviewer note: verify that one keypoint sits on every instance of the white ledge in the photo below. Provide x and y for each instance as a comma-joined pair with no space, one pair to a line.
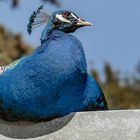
108,125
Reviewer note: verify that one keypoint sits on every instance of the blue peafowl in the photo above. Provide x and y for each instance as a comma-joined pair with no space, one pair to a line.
52,81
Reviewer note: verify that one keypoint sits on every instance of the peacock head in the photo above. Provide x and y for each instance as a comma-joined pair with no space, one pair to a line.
67,21
63,20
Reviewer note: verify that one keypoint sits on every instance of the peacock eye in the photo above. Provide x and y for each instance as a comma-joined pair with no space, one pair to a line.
67,15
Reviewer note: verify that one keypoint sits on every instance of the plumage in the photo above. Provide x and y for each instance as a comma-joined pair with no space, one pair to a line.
10,66
53,81
37,18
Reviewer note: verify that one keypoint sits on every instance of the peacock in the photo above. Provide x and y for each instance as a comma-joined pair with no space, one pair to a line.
53,81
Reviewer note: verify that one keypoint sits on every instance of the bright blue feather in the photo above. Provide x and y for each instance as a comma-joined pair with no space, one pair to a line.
52,82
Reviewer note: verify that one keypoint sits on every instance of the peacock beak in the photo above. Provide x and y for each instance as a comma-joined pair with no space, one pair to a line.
81,22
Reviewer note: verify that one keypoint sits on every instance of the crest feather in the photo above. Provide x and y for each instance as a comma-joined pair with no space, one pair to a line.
37,18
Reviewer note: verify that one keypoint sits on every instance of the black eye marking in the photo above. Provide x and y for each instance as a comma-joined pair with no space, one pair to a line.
66,15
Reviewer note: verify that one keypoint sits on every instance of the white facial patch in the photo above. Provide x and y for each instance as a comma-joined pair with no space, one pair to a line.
74,16
60,17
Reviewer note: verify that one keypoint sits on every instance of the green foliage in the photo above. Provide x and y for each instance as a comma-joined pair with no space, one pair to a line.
11,47
111,76
120,94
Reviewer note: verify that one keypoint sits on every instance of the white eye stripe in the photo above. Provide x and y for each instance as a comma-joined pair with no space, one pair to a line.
60,17
74,16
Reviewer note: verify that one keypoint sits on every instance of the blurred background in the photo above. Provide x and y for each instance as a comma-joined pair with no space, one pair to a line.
112,45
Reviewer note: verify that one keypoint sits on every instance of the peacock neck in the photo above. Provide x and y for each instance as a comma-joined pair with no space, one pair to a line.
46,32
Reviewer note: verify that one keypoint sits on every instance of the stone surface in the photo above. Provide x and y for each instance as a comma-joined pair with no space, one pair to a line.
109,125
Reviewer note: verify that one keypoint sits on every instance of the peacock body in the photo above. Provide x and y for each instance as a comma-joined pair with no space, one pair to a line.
53,81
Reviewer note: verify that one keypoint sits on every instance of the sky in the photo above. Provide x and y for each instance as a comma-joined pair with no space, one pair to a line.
114,36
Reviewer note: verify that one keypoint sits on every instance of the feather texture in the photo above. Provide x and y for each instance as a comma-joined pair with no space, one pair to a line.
51,82
10,66
37,18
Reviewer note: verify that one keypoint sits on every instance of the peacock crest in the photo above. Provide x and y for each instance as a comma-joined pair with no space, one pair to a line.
37,18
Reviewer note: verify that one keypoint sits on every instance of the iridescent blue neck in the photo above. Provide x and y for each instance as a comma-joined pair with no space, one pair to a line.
46,32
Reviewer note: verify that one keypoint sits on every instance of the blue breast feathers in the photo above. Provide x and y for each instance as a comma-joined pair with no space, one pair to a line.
52,82
51,77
